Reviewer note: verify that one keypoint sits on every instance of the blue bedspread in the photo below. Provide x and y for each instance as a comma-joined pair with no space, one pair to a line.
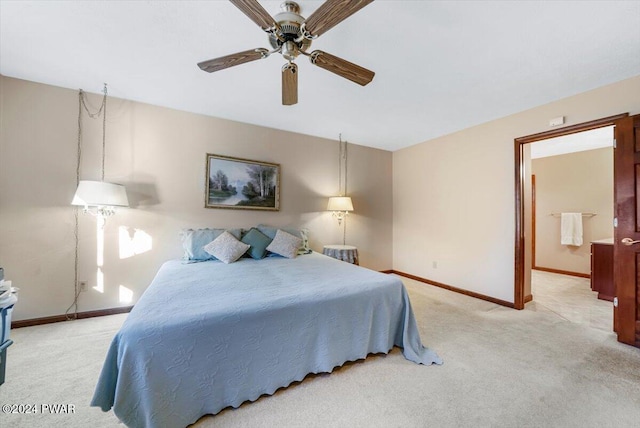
208,335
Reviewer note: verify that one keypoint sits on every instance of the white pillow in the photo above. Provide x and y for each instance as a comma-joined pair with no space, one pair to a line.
285,244
226,248
300,233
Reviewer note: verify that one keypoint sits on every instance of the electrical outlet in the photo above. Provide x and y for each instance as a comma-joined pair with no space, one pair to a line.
434,264
82,285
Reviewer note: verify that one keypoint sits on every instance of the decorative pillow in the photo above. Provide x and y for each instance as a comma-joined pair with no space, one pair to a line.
300,233
258,241
226,248
285,244
193,241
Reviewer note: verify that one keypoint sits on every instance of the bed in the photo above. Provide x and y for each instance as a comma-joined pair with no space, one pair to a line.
206,336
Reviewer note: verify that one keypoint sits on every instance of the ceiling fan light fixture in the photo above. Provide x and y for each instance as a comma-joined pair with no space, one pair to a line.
289,51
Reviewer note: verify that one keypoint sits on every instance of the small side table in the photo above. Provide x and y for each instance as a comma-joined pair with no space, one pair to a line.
6,307
346,253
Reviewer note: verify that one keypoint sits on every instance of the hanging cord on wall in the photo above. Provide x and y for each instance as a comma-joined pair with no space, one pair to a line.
104,130
76,292
346,165
340,165
103,109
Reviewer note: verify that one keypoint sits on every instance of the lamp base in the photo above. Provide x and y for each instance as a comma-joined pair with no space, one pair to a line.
340,215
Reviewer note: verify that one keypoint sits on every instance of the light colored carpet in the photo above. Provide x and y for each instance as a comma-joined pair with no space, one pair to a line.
502,367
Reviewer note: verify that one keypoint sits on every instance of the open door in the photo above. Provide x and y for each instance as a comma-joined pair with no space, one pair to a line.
626,247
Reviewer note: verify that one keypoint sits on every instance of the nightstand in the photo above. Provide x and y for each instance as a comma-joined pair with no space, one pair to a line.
346,253
6,307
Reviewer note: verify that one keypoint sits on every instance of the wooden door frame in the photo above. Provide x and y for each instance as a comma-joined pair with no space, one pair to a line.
533,221
519,143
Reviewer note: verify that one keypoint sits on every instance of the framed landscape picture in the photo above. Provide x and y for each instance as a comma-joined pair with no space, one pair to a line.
242,184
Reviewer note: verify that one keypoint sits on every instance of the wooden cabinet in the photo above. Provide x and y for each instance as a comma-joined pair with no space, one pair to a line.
602,270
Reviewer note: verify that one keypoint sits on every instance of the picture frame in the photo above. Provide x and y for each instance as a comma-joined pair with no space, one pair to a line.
236,183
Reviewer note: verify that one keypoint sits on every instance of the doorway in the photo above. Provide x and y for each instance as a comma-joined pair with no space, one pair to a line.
572,174
627,132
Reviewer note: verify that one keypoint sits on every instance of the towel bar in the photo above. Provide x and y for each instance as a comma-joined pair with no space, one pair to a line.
583,214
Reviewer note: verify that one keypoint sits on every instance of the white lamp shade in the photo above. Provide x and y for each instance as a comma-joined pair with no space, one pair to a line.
100,193
340,203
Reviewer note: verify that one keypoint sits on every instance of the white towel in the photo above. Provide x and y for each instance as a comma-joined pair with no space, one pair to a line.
571,229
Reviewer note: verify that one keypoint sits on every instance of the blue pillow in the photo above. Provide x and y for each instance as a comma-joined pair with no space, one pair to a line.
258,241
193,241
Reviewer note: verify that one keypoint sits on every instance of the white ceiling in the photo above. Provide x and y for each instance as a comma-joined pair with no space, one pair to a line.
587,140
440,66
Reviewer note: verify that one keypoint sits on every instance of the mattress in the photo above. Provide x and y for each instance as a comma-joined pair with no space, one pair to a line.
208,335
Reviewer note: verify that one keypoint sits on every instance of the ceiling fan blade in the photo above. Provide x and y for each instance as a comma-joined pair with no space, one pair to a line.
330,14
342,67
231,60
256,13
289,84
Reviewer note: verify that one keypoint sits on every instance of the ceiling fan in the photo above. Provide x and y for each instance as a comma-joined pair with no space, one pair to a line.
290,34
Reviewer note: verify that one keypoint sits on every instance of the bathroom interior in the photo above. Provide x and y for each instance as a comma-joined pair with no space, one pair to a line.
571,211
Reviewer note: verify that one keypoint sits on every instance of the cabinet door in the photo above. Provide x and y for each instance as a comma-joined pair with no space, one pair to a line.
602,271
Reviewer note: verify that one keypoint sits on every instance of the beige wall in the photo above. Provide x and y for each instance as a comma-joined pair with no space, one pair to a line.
453,196
159,154
576,182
